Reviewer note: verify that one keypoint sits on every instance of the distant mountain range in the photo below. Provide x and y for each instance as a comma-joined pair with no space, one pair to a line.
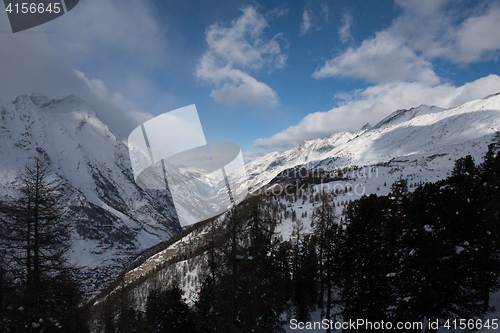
428,136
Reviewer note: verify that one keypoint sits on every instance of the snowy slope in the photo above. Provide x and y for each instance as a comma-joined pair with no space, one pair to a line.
413,135
113,218
265,168
420,144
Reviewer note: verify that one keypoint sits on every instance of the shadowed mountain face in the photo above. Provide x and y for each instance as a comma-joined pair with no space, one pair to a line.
113,219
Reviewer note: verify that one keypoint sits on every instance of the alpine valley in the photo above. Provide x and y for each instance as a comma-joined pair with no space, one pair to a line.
115,221
419,145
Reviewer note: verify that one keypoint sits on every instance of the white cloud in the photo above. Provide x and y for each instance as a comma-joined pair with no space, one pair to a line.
99,89
306,24
380,59
325,12
237,86
425,30
277,12
450,30
345,29
376,102
245,88
398,60
478,37
236,50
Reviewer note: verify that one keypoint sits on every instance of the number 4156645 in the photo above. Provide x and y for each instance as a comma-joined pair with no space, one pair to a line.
34,8
472,324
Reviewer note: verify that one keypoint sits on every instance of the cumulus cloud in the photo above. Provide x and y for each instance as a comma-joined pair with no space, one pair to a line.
376,102
236,51
380,59
306,24
450,30
398,61
245,88
477,38
345,29
425,30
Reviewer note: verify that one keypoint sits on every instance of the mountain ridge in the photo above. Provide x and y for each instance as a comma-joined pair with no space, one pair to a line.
389,140
113,218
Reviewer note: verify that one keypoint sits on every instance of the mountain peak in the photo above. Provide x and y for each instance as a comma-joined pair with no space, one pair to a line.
366,126
421,132
38,99
403,115
492,95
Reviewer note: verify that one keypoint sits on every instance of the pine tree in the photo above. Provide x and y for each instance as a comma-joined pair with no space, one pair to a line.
450,245
205,306
280,267
304,268
258,281
166,311
365,268
489,175
39,238
322,223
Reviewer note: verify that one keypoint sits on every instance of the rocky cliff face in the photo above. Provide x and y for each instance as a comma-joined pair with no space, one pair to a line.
113,219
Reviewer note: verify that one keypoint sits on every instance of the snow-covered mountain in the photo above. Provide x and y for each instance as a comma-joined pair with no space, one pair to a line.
113,218
263,169
420,144
425,136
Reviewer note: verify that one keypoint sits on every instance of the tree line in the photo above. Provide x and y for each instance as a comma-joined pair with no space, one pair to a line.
430,254
408,256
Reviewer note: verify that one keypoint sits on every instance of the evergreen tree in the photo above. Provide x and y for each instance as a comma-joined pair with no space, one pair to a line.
430,254
205,306
240,292
262,311
365,268
166,311
323,221
281,270
448,246
489,175
39,237
299,296
304,270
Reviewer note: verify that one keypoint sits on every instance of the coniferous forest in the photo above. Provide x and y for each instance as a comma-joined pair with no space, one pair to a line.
427,254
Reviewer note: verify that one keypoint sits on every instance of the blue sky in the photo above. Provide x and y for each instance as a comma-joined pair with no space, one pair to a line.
265,75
